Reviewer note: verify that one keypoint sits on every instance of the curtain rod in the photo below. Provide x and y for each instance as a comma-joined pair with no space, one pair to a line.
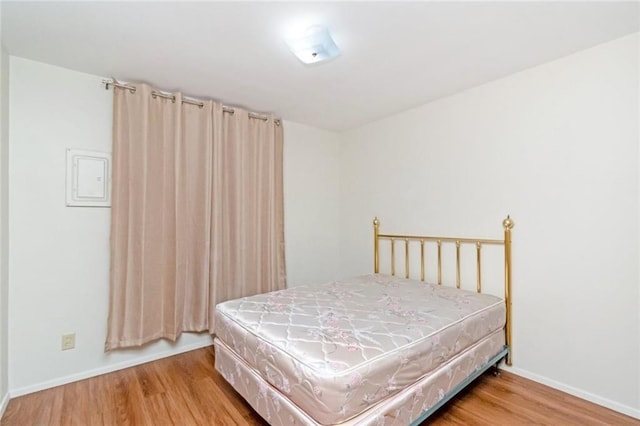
185,100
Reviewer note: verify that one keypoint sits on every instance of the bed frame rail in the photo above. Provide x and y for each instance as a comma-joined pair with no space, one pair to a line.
507,225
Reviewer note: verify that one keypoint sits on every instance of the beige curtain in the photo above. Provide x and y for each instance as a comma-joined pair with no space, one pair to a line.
248,217
178,175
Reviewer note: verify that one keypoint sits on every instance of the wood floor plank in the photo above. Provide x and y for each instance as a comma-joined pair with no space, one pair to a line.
185,390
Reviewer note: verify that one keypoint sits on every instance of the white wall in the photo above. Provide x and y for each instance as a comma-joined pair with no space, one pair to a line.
555,146
4,253
312,191
58,275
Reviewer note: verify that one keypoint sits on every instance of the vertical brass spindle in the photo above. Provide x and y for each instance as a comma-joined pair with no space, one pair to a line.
439,262
479,266
393,257
421,260
457,264
406,258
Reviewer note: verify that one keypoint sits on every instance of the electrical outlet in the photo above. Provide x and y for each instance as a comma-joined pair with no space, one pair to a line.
68,341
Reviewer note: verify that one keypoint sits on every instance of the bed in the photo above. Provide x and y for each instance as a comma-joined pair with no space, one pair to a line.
377,349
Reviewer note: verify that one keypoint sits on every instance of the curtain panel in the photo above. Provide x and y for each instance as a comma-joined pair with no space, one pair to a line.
197,214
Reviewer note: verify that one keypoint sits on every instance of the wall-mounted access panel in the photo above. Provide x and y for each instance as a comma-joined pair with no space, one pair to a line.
88,178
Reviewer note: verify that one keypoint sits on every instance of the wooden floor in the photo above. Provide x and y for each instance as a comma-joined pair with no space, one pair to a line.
186,390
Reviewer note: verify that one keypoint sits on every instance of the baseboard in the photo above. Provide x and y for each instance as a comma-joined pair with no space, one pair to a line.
3,404
106,369
615,406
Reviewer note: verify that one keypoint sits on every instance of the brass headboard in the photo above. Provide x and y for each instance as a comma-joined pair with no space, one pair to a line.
507,224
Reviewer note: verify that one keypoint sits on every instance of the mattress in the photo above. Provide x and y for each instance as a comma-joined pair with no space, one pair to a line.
401,409
337,349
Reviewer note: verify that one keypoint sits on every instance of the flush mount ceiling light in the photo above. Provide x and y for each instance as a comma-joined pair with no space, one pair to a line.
315,45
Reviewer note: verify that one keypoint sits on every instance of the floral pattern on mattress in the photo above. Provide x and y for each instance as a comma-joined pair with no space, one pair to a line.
336,349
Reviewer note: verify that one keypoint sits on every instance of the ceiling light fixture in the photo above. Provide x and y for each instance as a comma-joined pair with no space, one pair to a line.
315,45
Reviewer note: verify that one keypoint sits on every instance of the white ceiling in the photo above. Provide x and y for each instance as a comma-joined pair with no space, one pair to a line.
395,55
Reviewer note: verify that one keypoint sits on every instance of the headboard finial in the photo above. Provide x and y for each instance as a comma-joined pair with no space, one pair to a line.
376,222
508,223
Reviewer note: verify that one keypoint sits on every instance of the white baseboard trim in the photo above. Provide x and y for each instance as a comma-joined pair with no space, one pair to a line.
107,369
3,403
616,406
